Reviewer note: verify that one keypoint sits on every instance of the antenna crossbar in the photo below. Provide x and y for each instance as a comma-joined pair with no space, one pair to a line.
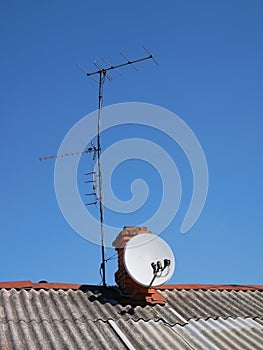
105,70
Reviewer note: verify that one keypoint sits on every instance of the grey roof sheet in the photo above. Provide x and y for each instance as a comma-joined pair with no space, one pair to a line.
195,304
98,318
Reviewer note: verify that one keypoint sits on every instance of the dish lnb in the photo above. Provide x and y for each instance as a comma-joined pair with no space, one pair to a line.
149,260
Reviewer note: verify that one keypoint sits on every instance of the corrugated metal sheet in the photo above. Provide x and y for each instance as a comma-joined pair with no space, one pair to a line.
195,304
153,335
99,319
61,335
232,334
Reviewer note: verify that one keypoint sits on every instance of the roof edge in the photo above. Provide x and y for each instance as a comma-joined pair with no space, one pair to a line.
211,287
74,286
39,285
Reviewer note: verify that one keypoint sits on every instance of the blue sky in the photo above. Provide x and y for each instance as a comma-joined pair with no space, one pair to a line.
210,74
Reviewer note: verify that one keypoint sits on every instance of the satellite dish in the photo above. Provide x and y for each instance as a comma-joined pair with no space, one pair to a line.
149,260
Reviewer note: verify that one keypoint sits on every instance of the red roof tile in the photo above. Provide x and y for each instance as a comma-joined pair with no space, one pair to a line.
74,286
38,285
210,287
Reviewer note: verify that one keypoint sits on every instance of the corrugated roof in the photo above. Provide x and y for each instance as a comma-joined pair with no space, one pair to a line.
234,334
101,318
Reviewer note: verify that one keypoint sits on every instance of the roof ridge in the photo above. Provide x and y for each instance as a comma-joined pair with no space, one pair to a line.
27,284
210,287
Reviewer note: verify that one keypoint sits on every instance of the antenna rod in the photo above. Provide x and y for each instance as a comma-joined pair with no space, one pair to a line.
102,72
102,75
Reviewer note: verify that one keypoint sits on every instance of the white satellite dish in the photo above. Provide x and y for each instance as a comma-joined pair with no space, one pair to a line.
149,260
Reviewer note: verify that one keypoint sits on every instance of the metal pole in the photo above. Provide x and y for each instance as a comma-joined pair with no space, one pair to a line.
103,74
101,81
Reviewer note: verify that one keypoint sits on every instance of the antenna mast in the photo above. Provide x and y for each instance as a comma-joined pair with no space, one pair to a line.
103,74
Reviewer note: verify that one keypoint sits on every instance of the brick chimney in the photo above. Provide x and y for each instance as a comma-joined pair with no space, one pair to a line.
127,285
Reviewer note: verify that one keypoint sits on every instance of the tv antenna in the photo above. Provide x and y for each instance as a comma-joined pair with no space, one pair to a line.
103,74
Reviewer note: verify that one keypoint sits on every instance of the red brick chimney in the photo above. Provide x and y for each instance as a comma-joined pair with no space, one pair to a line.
127,285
